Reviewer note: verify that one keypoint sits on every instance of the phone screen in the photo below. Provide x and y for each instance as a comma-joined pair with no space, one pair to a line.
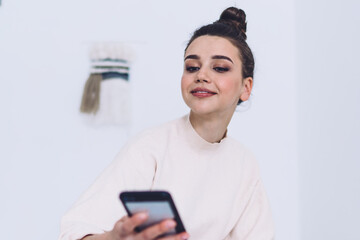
158,204
157,211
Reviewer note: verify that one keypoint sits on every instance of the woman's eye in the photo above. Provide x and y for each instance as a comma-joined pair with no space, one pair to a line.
221,69
192,69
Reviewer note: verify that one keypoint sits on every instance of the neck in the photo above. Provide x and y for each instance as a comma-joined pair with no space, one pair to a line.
210,128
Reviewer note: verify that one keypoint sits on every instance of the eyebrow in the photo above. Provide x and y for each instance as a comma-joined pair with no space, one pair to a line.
192,57
196,57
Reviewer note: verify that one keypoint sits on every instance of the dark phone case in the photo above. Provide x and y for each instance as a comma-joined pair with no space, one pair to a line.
148,196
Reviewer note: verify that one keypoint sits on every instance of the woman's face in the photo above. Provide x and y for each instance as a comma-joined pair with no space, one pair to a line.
212,81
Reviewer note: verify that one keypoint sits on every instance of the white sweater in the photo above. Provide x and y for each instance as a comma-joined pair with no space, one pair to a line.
216,186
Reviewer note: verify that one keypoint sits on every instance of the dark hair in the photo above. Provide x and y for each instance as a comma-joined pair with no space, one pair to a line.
232,26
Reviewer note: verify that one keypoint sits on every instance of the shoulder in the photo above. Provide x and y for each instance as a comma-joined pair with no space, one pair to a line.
237,147
147,146
157,135
242,156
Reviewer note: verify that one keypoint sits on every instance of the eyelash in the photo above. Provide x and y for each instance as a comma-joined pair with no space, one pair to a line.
221,69
217,69
192,69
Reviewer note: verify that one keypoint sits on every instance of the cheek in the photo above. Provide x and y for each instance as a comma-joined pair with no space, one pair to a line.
185,85
185,81
230,86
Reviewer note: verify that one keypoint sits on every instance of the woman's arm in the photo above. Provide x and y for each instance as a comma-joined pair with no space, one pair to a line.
256,220
99,208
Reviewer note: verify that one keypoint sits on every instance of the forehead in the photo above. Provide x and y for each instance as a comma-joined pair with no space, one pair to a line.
205,46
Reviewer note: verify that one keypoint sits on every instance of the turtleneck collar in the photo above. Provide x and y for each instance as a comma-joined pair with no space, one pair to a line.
196,140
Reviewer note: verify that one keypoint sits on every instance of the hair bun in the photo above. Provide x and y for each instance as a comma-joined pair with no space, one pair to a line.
235,17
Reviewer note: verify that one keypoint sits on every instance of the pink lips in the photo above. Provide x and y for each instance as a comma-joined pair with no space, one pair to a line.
202,92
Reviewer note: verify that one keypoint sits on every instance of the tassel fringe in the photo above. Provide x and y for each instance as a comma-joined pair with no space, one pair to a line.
91,95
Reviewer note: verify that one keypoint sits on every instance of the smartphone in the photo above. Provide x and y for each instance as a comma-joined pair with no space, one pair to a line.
158,204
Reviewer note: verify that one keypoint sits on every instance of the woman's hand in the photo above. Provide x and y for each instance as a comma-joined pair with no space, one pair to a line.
124,230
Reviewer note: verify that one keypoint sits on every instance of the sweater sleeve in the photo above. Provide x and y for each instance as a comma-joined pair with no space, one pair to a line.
99,207
255,223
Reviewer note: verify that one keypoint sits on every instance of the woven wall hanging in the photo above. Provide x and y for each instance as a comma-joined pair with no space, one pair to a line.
106,97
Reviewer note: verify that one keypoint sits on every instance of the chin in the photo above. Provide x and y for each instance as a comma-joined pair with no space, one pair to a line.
201,107
202,110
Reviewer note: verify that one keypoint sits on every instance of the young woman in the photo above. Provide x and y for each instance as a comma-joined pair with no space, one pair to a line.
213,179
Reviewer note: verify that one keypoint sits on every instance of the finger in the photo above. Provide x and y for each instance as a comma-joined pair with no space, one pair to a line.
158,229
180,236
123,219
127,225
117,226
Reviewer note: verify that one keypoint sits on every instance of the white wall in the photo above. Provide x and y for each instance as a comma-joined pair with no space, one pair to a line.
329,118
49,156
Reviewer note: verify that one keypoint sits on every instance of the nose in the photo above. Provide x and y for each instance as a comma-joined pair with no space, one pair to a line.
202,76
201,80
